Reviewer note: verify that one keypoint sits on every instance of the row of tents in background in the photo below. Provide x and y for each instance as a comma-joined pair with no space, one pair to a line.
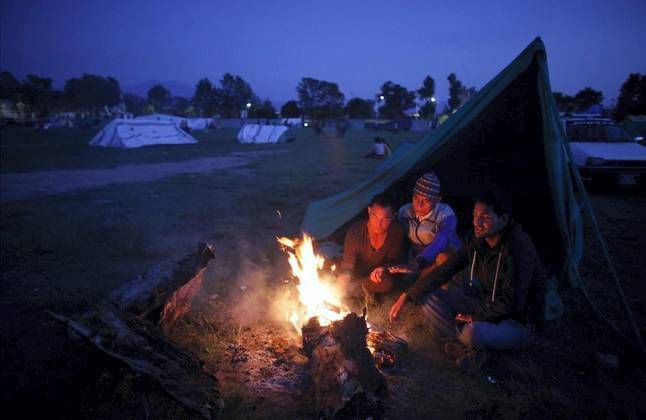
165,130
168,129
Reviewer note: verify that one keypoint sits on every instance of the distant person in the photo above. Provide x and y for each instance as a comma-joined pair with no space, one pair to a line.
380,149
503,290
371,245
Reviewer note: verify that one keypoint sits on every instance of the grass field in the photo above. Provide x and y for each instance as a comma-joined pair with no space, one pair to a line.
65,252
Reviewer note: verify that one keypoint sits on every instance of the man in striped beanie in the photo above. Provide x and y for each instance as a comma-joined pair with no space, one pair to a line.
431,228
429,223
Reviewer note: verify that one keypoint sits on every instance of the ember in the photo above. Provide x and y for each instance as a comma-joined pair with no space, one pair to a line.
386,348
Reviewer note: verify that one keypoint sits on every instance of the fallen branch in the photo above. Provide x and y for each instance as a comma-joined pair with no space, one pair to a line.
146,295
139,345
126,328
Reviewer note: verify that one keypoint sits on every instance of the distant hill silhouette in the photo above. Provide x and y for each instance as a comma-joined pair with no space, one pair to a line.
176,88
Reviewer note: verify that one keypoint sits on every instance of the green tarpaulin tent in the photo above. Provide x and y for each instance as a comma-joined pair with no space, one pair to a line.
509,137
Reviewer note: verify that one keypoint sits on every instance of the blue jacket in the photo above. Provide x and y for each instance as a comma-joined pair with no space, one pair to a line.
432,234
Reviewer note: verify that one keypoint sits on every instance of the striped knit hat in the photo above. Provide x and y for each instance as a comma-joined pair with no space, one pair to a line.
428,185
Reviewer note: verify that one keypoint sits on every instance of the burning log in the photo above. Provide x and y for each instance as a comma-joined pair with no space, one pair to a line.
346,381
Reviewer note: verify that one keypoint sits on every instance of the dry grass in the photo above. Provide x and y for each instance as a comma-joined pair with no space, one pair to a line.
66,252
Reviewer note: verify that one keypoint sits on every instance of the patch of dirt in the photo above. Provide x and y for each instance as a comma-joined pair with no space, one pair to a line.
21,186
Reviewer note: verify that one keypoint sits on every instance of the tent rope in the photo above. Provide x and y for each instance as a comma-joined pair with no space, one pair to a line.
604,318
595,227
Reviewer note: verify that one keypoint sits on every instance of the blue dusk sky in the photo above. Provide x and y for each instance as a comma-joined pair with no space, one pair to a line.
357,44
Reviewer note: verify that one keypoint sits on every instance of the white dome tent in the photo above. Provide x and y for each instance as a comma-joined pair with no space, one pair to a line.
257,133
129,134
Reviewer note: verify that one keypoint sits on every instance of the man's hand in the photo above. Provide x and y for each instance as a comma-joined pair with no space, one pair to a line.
377,275
397,307
464,318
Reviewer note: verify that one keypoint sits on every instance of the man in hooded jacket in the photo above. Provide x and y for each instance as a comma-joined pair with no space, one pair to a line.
503,284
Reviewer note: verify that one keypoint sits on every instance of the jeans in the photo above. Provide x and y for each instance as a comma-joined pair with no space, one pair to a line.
440,308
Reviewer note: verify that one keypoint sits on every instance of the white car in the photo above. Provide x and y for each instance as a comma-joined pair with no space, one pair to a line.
605,153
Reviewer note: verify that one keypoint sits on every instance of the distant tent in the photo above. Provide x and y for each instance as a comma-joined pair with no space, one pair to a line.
192,123
257,133
137,133
199,123
509,137
292,122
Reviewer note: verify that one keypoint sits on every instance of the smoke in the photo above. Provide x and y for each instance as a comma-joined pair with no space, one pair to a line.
263,291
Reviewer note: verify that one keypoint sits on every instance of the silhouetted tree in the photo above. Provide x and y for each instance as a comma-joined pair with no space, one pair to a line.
264,110
178,105
632,97
205,98
233,96
587,97
290,110
397,99
92,92
319,98
159,97
427,93
359,108
455,89
9,86
36,92
134,104
564,103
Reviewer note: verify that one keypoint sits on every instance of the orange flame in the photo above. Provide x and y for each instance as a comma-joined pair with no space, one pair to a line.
316,298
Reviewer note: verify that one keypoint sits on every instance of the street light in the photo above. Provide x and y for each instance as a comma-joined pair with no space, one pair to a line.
248,105
433,99
380,99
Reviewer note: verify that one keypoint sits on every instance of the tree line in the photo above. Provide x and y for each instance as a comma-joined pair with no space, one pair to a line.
315,98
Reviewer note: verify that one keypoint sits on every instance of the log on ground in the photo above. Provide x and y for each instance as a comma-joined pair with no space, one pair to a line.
146,295
140,345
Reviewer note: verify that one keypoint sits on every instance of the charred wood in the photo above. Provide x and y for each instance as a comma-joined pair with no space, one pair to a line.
388,349
345,379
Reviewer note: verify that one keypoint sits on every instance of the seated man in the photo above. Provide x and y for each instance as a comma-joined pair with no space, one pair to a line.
380,149
503,289
430,224
370,246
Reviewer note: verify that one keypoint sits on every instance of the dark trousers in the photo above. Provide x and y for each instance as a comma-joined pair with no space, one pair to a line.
440,308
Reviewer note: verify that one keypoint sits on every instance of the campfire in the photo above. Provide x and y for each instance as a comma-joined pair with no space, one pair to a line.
343,363
317,298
